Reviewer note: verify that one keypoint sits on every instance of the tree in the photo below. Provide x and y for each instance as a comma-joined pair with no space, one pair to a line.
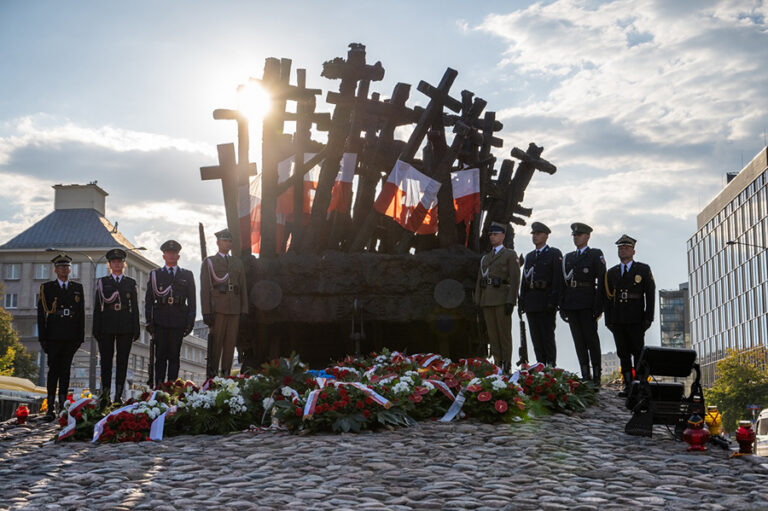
741,380
15,360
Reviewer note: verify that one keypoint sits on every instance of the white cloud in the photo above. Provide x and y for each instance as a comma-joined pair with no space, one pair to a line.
42,130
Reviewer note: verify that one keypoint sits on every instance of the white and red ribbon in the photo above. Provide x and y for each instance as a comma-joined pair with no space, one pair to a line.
442,387
98,429
158,425
69,429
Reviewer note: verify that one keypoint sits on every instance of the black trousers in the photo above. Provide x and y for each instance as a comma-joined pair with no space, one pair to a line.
541,325
585,339
167,353
107,344
630,340
60,355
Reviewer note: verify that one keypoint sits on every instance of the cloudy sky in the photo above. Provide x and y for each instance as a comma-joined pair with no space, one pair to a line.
642,105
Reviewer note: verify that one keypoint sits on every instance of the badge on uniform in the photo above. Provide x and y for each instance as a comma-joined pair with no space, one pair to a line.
77,298
586,270
638,279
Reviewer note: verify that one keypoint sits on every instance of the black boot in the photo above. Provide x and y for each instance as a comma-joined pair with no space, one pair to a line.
50,415
627,382
62,402
585,373
596,380
118,394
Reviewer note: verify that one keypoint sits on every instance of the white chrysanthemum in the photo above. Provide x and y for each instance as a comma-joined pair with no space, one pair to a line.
287,391
401,387
474,381
428,385
498,384
267,403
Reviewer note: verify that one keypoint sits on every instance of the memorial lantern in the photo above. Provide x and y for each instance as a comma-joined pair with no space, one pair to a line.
22,412
745,436
695,435
714,420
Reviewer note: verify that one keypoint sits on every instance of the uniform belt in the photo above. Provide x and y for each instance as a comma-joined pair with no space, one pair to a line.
116,307
488,281
576,283
539,284
170,300
228,288
623,294
64,313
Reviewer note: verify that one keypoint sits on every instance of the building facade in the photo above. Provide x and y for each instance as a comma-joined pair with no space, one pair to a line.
78,226
674,317
609,363
729,281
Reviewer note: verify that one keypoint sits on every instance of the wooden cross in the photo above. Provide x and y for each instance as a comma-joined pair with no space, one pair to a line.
230,174
349,72
438,98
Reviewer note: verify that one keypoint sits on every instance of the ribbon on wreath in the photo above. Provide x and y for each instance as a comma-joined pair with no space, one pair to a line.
442,387
98,429
69,429
312,398
158,425
455,408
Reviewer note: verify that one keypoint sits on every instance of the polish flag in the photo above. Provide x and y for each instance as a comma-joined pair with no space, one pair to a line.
310,187
466,194
410,198
341,194
254,208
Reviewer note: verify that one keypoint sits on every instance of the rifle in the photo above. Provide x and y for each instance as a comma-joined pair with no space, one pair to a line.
523,351
210,372
151,370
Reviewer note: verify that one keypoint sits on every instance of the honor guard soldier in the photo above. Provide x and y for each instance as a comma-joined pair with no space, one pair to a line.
60,327
540,292
496,293
115,322
170,310
582,303
223,298
630,292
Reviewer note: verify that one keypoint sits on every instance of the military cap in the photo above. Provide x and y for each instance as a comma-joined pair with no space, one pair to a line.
626,240
539,227
579,228
171,246
62,260
497,227
116,253
224,235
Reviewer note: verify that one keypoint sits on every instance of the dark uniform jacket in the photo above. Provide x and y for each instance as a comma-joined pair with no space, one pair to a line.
116,314
60,314
582,274
631,297
498,278
542,284
177,307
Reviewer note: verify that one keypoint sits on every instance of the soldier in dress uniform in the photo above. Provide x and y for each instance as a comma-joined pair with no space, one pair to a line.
60,327
223,298
115,321
630,296
582,303
540,292
496,293
170,310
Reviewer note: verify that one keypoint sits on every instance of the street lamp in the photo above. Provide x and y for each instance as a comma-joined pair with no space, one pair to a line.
94,348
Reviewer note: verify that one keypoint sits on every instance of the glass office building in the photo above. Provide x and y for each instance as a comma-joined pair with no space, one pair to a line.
729,282
675,321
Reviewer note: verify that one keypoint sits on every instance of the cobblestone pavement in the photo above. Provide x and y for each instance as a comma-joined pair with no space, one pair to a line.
581,462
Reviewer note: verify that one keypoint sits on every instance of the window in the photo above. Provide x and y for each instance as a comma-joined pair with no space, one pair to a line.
42,271
11,301
12,271
101,270
75,273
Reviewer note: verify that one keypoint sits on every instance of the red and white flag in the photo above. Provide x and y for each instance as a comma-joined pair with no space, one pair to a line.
466,194
410,198
253,207
341,194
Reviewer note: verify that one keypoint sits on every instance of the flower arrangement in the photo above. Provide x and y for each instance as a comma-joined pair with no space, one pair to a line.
353,394
494,399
